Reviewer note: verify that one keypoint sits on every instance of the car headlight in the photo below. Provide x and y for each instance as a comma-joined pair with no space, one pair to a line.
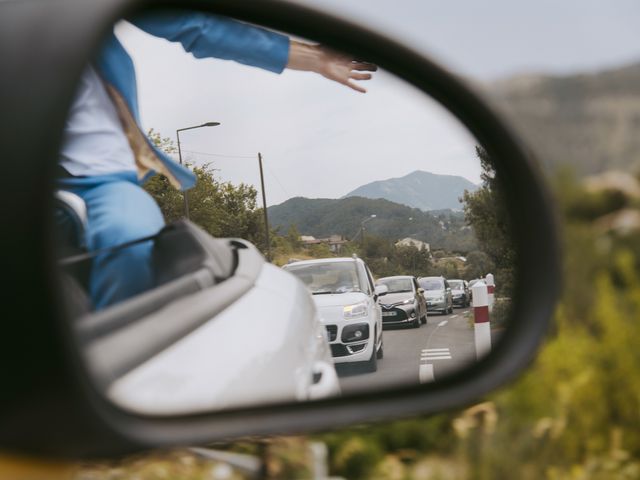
438,299
408,301
355,311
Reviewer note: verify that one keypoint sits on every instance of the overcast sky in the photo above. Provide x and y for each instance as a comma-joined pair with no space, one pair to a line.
321,139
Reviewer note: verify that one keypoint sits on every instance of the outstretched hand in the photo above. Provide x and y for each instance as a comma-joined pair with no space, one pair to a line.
330,64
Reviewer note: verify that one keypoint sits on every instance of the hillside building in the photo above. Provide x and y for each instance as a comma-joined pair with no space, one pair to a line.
412,242
335,242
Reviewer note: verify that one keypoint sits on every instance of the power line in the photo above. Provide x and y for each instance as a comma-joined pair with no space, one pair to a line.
222,155
218,154
284,190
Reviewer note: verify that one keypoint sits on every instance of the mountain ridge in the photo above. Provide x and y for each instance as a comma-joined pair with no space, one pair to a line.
323,217
587,121
418,189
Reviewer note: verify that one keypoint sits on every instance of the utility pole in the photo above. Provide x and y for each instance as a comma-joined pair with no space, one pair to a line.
185,196
264,207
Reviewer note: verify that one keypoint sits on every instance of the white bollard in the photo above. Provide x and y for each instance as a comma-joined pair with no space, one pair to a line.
491,287
481,324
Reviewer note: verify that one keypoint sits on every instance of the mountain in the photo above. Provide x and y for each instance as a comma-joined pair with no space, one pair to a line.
419,189
589,121
323,217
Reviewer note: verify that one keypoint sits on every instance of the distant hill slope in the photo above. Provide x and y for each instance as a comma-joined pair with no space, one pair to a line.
588,121
419,189
323,217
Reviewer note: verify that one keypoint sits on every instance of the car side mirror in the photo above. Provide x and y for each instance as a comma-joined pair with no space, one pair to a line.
381,290
117,378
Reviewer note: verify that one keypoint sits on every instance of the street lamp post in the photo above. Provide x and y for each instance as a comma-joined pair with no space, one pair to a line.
185,193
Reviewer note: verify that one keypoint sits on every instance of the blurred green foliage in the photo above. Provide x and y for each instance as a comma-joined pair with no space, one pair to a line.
575,414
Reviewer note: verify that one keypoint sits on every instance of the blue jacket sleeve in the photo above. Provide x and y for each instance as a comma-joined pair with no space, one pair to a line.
206,35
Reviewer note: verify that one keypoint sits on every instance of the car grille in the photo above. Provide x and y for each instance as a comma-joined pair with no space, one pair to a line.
398,317
332,330
339,350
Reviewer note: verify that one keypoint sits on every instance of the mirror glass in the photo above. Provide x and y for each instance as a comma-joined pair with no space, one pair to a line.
383,258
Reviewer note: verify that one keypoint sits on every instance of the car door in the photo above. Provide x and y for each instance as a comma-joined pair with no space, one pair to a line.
447,294
376,306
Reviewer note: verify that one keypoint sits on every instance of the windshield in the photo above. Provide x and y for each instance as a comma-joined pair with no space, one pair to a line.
396,285
456,284
431,284
328,278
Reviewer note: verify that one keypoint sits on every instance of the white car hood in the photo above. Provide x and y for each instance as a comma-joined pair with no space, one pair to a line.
264,348
433,293
393,298
330,306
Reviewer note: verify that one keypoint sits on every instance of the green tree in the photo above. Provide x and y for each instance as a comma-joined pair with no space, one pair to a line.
478,265
487,213
220,208
293,236
412,260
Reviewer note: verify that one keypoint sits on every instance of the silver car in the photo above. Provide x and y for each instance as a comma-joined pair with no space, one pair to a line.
437,292
460,293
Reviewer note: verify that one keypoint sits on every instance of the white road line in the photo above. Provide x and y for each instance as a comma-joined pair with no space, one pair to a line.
425,374
454,316
435,354
443,323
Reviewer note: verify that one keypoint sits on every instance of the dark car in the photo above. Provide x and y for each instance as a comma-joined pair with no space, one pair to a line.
460,293
404,303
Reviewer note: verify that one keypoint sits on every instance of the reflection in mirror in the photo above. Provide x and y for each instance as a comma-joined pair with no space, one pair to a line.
389,259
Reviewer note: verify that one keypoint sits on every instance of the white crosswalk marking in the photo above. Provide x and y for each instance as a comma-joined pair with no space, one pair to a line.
435,354
443,323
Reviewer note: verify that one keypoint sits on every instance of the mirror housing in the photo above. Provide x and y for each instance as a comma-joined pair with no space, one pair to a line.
48,403
381,290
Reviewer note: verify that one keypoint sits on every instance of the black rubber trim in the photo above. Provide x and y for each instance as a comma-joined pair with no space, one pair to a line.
97,324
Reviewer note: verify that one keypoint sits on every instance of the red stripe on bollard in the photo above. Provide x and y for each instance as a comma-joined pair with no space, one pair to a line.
491,288
481,314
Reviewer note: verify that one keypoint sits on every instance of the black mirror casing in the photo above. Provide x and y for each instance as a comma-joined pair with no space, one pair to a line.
47,404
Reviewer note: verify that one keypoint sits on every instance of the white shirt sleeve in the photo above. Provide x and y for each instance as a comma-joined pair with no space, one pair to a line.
94,142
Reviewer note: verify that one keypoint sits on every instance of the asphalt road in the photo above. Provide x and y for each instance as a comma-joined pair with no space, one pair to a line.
411,356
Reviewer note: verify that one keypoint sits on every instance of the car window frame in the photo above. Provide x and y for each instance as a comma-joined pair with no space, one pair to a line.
362,273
